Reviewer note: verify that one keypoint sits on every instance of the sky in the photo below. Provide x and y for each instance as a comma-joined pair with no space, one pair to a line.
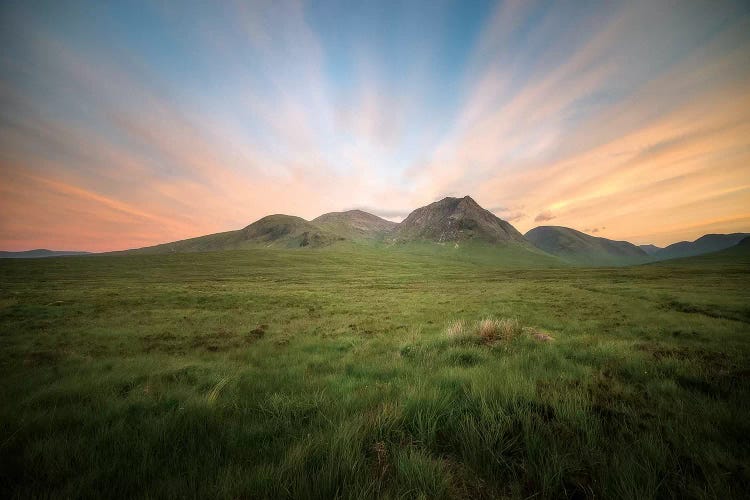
127,124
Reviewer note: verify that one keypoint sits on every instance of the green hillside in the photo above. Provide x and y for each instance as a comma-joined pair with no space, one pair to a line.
277,231
507,255
583,249
355,225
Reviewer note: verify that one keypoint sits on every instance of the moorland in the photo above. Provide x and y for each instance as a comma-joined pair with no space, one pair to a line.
361,371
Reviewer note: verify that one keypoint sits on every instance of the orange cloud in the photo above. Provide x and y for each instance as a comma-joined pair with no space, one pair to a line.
603,122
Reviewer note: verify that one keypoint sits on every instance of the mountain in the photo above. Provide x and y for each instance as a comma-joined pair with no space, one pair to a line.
279,231
649,249
455,220
705,244
354,225
458,228
735,257
483,237
580,248
39,254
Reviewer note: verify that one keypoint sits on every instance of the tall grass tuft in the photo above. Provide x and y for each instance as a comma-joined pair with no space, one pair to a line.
508,328
492,330
456,329
487,329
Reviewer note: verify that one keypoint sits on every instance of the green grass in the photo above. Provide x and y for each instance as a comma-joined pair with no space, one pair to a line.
324,374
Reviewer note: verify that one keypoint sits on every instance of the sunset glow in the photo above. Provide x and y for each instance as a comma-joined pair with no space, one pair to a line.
137,123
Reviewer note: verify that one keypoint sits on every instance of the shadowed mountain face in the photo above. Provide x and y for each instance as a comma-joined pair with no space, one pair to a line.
704,244
649,249
38,254
454,220
582,248
354,224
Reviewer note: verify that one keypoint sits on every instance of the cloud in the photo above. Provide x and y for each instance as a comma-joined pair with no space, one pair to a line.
558,155
498,209
544,216
134,146
507,213
514,216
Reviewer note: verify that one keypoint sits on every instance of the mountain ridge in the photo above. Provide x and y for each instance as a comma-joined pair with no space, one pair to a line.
707,243
461,222
581,248
475,233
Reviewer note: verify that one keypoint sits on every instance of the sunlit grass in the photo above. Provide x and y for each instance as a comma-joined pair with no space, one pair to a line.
322,375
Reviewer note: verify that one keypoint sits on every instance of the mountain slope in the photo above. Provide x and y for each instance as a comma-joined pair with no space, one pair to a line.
456,220
649,249
354,224
705,244
39,253
580,248
279,231
734,257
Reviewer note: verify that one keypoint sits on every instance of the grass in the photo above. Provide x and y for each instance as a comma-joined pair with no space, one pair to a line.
365,374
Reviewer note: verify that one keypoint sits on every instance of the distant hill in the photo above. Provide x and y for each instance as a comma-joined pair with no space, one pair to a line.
581,248
354,225
280,231
456,220
705,244
288,231
649,249
39,253
736,257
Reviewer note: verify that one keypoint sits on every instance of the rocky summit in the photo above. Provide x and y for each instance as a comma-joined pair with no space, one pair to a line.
454,220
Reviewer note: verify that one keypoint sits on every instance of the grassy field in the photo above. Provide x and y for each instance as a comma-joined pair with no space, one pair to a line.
324,374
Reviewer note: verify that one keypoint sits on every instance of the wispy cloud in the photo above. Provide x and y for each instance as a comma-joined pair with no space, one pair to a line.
544,216
631,119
